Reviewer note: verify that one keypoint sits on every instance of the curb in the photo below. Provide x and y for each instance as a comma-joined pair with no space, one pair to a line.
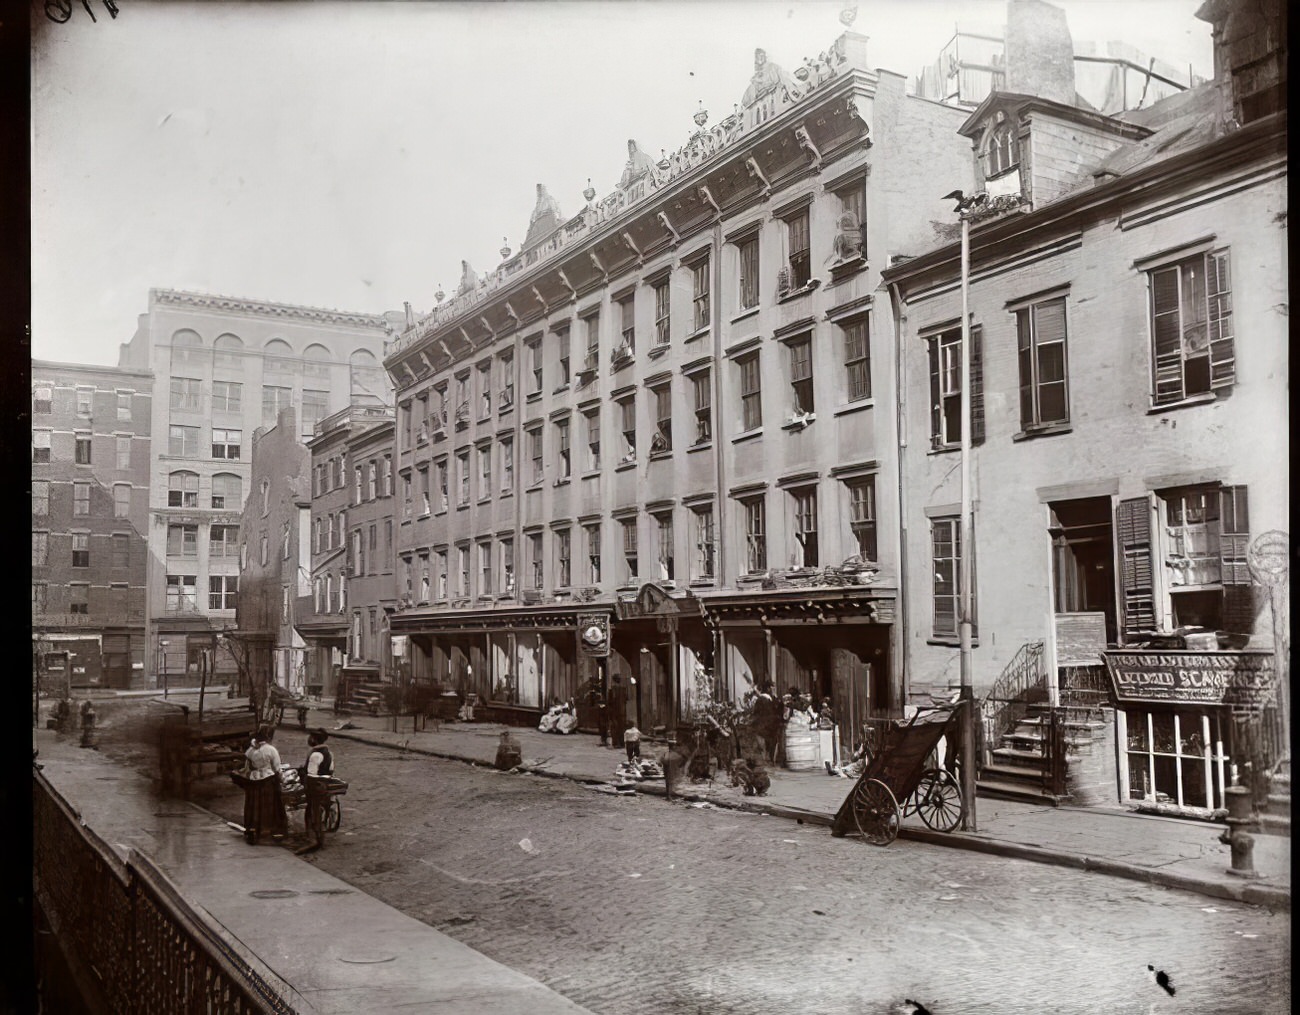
1249,892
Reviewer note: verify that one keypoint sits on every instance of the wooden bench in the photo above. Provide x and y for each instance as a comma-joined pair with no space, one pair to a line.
185,746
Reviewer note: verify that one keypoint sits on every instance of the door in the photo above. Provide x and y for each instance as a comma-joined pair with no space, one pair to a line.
1083,560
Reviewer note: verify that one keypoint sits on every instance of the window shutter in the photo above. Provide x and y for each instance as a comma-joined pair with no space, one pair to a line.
977,385
1219,293
1166,331
932,348
1234,539
1133,527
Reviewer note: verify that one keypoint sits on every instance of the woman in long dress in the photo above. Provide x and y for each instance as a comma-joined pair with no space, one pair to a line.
263,805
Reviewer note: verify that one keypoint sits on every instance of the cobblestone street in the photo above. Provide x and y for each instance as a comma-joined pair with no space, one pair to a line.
638,905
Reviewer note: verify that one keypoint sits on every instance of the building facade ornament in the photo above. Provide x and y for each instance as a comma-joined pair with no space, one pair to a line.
756,173
663,221
637,166
809,149
468,280
768,77
545,219
227,304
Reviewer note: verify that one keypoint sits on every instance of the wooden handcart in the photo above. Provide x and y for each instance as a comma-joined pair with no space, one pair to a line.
190,746
899,779
294,798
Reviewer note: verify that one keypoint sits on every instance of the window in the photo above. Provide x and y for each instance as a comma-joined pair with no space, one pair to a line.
462,560
406,494
704,545
124,413
593,552
462,399
357,485
507,363
182,593
81,498
40,497
862,515
661,314
1040,333
462,477
485,569
801,375
225,443
79,598
85,400
749,273
800,263
121,500
857,360
562,340
563,552
82,449
627,424
262,550
372,484
592,423
425,494
228,396
507,567
440,563
40,548
629,527
81,549
222,590
700,294
945,389
533,351
663,438
407,581
1002,152
664,548
627,330
805,526
123,448
388,544
226,351
386,476
440,476
562,444
284,542
43,398
535,453
121,549
485,472
703,392
182,540
755,534
41,446
535,559
507,465
485,390
593,342
185,393
274,399
851,241
183,441
183,490
424,577
223,541
1191,327
751,393
227,491
945,535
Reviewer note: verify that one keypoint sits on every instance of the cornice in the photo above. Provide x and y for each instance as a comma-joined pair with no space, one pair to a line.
259,308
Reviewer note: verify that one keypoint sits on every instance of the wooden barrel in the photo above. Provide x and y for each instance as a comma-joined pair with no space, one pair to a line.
802,750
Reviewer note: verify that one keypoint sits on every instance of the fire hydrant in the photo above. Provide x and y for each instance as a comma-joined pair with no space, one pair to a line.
1239,818
87,724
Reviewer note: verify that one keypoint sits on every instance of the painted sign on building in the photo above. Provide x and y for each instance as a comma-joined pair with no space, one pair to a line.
1212,678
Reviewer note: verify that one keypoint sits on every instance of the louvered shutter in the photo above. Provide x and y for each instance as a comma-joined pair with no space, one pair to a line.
932,348
1167,333
1234,539
1223,364
1133,529
977,385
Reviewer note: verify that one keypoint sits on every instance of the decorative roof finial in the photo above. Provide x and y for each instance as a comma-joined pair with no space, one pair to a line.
505,249
701,116
848,15
439,295
590,193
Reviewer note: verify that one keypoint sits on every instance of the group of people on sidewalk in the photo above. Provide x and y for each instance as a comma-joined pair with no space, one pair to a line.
264,809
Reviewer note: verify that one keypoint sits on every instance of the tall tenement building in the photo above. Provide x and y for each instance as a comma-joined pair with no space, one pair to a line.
221,368
672,413
90,507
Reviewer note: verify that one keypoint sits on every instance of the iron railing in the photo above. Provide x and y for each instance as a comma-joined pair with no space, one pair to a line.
1022,683
134,944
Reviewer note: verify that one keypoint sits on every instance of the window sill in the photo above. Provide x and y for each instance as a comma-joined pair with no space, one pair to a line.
506,493
533,396
700,446
505,409
562,388
944,449
951,642
657,351
1183,403
657,455
624,466
534,488
748,435
484,500
621,364
747,312
858,406
592,474
404,521
800,423
697,334
812,285
423,515
1043,431
463,507
847,268
561,482
700,583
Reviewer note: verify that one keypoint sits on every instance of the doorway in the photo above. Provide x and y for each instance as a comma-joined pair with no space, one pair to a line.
1083,559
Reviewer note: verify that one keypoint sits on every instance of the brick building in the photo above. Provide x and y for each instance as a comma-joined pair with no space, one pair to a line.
91,429
674,410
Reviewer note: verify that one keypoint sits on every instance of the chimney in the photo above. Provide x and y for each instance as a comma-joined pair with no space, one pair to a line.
1039,51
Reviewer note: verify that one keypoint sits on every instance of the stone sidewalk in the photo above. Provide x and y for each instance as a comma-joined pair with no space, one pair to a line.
1171,852
324,946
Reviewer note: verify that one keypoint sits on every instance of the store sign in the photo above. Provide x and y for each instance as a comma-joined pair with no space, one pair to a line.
593,633
1212,678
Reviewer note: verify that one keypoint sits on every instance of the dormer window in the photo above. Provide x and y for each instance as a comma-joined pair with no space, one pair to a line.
1002,153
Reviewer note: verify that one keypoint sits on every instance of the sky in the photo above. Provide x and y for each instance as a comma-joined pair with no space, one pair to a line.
351,154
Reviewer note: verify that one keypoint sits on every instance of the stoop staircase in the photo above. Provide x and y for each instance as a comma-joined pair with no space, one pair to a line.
364,697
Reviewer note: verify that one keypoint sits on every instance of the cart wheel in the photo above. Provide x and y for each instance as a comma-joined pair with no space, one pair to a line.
333,815
938,800
876,812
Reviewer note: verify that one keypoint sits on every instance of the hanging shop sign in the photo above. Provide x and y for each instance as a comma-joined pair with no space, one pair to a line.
1210,678
593,633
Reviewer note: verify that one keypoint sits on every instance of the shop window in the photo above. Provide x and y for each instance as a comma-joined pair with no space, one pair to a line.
1191,327
945,388
1040,330
1174,759
804,509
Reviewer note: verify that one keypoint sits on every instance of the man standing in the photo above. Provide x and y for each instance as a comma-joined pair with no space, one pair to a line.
315,777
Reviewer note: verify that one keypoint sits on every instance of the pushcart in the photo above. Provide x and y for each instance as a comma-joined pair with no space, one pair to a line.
294,797
899,780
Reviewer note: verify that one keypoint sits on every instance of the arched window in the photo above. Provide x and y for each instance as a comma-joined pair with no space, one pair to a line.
227,491
183,489
278,357
316,361
367,378
228,352
187,347
1002,152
